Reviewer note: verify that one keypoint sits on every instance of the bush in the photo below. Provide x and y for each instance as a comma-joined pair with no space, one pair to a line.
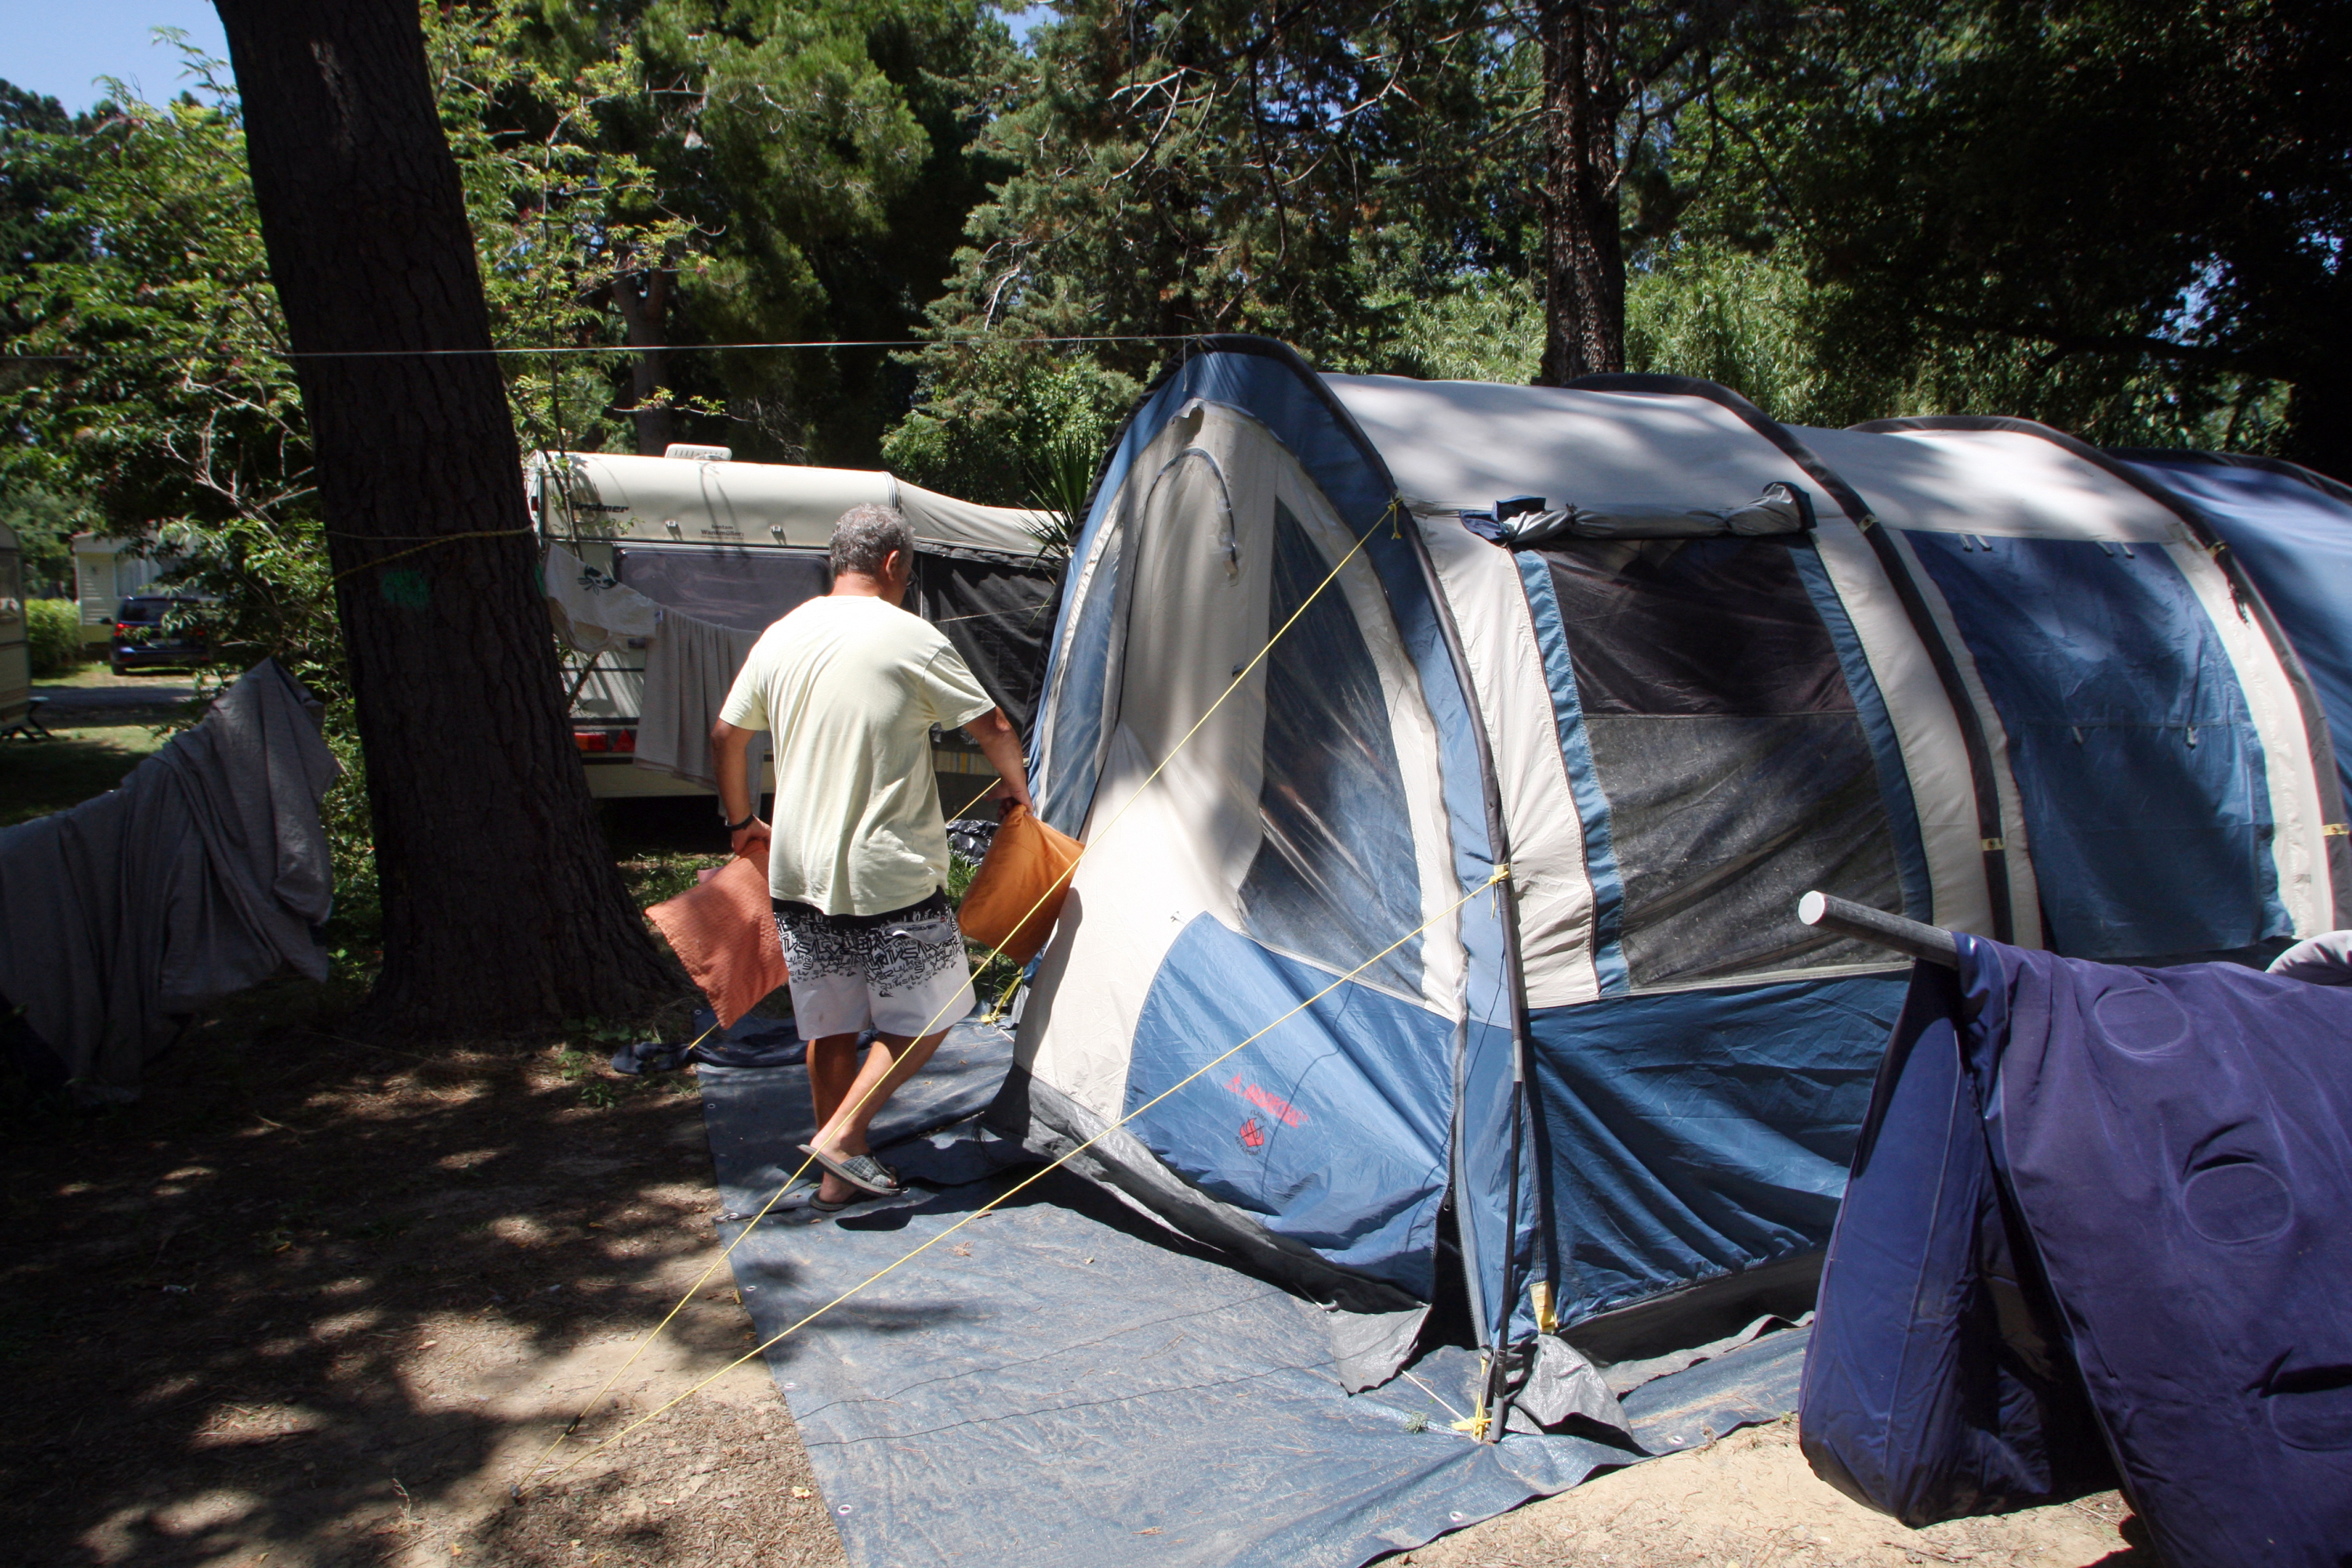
53,633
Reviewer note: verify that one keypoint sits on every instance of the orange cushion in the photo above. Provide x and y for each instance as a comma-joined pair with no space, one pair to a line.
724,932
1016,898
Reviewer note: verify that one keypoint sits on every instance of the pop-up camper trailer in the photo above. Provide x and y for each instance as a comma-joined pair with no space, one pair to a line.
1565,697
736,545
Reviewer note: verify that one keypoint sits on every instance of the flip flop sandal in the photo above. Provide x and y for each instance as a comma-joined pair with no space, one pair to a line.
864,1172
816,1211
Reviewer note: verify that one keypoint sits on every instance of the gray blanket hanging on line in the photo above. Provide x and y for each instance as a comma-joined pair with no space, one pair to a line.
204,873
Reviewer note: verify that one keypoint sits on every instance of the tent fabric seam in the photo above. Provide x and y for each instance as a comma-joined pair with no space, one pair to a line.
2008,849
2299,884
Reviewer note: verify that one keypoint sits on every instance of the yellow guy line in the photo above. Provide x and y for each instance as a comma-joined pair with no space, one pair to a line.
1500,874
790,1182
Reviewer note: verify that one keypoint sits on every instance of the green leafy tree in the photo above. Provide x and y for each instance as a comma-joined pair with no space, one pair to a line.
574,233
153,378
2129,218
816,160
1182,170
154,400
45,523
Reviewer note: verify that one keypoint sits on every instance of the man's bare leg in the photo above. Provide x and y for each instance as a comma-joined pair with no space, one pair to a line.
894,1059
833,1067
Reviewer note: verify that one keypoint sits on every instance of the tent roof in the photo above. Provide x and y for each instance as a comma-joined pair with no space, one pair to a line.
2011,483
1469,443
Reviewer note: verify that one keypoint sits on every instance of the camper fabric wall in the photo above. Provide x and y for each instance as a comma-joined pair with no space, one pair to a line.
999,616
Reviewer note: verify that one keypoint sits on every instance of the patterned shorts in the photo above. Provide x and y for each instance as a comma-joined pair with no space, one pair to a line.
903,972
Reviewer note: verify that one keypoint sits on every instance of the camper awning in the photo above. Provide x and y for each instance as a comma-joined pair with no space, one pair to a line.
625,497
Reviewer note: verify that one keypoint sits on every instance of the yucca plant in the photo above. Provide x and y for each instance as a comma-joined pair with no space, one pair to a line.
1059,473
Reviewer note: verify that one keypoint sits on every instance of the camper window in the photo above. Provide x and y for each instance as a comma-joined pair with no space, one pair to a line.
743,590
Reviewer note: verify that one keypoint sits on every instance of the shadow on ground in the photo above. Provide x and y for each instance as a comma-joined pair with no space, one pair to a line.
326,1300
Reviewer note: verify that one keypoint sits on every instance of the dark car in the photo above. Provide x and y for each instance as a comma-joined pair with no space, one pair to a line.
142,638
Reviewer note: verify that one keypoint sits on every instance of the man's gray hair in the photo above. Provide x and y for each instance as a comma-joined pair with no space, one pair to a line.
865,537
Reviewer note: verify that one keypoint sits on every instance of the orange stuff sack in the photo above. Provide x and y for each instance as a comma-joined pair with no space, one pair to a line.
1016,898
724,932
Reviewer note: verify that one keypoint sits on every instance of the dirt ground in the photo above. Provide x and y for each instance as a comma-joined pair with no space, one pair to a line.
317,1301
1750,1501
313,1301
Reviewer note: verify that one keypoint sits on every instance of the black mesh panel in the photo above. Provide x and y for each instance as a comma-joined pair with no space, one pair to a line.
1000,619
742,590
1736,772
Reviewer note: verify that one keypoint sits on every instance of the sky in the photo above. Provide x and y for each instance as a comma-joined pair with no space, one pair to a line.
58,46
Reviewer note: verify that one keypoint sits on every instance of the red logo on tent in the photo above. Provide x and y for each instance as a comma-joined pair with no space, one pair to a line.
1253,1136
1274,1105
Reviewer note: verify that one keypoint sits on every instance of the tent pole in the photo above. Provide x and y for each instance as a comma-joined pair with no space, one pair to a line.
1496,1400
1932,944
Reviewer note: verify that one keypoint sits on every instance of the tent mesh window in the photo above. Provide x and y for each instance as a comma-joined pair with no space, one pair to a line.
1080,710
1737,771
1335,878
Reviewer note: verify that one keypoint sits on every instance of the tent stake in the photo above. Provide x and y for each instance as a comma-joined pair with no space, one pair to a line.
1847,918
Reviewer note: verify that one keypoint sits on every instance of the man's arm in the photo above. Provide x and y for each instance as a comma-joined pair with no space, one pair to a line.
993,734
728,746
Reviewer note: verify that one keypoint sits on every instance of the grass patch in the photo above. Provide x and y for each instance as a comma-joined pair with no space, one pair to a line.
96,674
37,778
655,875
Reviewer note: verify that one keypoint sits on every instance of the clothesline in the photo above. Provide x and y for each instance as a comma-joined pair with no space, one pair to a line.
552,349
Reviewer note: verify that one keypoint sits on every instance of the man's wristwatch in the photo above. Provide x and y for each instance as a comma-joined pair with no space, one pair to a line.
740,826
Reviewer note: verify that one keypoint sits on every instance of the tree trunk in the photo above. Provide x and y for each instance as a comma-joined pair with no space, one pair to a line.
644,320
1583,255
2319,420
502,907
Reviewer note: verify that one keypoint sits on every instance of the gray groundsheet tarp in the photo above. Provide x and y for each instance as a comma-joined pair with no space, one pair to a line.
1064,1382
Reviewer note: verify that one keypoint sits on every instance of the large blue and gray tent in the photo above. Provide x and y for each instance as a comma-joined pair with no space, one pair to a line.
1672,665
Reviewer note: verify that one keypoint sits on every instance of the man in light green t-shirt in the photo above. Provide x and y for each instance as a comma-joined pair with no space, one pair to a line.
848,687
